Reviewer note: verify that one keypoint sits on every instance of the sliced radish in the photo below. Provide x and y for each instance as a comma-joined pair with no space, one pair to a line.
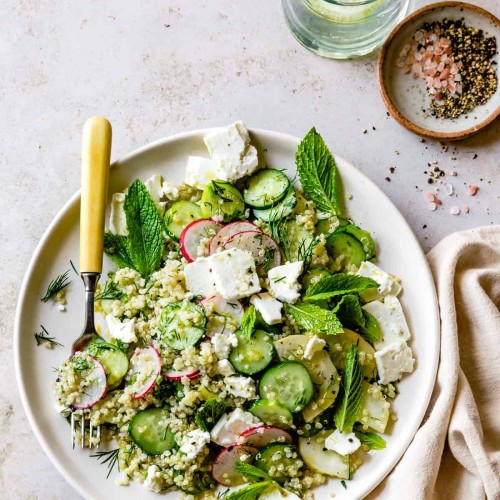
190,373
263,248
231,309
95,385
144,370
192,235
223,469
263,435
217,242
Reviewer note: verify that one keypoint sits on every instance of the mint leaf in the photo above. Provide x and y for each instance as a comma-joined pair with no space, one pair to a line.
248,322
349,311
338,284
251,472
116,248
315,319
371,329
372,440
145,240
351,392
318,173
250,492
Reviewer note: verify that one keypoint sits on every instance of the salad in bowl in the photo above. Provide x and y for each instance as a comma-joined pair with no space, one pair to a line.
252,345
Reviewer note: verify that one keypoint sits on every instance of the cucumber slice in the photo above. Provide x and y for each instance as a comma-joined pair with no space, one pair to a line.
149,430
113,359
266,188
375,408
272,413
182,325
283,209
180,215
343,244
222,199
289,384
252,355
279,461
319,459
364,237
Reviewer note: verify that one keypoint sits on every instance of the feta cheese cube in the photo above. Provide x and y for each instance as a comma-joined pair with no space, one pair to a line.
391,320
231,425
117,218
314,344
234,273
153,480
223,344
225,368
269,307
343,443
170,191
232,169
283,281
200,279
389,284
193,442
121,331
394,360
200,171
241,387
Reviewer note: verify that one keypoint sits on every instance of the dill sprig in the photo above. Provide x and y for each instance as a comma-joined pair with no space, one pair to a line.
109,292
306,251
43,337
74,268
55,286
110,458
278,230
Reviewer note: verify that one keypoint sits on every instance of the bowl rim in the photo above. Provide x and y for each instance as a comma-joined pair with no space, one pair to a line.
394,110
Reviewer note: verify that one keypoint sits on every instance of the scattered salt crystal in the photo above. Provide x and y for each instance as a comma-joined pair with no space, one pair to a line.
432,206
465,209
458,77
454,210
473,190
449,189
437,201
430,196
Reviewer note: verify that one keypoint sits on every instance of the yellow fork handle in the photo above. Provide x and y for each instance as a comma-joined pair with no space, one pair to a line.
96,154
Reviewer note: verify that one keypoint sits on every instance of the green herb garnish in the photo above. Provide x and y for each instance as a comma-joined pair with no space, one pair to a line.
372,440
338,284
43,337
318,173
109,292
250,492
351,392
251,472
344,485
108,457
349,311
55,286
248,322
315,319
209,413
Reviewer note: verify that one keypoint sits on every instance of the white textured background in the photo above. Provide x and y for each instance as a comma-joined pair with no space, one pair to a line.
159,67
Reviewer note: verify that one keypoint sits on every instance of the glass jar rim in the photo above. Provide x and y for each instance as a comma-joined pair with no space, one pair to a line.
353,3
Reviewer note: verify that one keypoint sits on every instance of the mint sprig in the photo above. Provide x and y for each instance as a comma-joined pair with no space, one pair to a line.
250,492
372,440
248,322
251,472
338,284
312,318
351,392
318,173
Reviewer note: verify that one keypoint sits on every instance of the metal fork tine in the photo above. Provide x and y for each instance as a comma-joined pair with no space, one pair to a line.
82,430
72,430
90,434
98,436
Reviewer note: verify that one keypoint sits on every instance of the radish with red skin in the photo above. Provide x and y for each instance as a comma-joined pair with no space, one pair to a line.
217,242
224,468
263,248
223,307
262,435
145,367
192,235
96,388
190,373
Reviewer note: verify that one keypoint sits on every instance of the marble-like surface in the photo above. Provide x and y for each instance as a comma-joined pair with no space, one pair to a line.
155,68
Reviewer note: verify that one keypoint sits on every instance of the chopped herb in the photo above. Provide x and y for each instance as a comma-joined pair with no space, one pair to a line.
338,284
109,292
372,440
248,322
55,286
74,268
344,485
250,492
312,318
110,458
251,472
209,413
44,338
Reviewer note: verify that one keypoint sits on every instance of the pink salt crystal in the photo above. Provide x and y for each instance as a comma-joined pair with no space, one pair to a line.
465,209
440,66
418,57
437,83
473,190
429,196
458,77
438,51
429,48
454,210
453,69
434,37
406,69
432,206
427,56
400,63
416,68
437,201
438,96
459,88
447,51
459,64
431,71
436,59
445,73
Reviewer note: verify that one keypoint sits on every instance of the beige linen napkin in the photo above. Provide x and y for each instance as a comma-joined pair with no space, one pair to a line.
456,452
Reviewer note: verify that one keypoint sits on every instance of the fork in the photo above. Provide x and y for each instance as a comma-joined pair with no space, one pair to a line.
96,153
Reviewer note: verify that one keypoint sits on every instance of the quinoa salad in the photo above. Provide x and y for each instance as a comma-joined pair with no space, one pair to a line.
252,345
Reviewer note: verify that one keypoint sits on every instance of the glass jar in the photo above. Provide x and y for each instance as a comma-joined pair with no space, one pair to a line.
341,29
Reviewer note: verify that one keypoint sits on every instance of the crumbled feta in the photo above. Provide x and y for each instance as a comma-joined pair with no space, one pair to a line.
232,169
153,479
200,171
200,279
223,344
121,331
231,425
394,360
269,307
343,443
314,344
225,368
241,387
193,442
155,189
276,492
235,274
283,281
117,218
389,284
170,191
391,320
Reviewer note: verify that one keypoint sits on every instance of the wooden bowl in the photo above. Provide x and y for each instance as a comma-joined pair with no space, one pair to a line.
407,99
